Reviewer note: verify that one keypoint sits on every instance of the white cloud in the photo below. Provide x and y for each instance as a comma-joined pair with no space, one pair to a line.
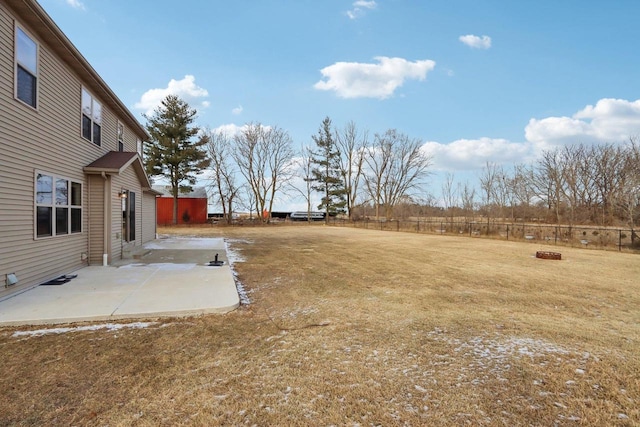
76,4
186,89
470,154
365,4
476,42
237,110
359,8
232,129
610,120
362,80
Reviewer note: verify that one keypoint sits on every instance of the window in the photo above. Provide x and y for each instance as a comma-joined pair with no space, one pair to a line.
58,206
129,216
91,118
139,146
120,137
131,201
26,51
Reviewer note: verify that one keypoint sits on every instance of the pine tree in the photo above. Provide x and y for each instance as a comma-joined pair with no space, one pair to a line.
326,174
177,147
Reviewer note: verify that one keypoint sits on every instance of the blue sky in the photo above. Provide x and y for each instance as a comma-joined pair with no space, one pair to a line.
476,80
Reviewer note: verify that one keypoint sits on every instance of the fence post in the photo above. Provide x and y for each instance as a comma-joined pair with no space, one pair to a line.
620,240
507,231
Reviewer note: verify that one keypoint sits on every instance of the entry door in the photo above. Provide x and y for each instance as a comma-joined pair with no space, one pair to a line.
129,217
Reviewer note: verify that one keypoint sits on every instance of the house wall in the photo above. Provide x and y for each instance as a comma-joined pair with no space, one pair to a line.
196,208
47,139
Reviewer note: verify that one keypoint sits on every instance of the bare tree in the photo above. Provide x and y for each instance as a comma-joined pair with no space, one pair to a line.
223,171
305,168
449,194
488,180
501,190
467,196
521,191
548,182
397,165
352,145
609,167
247,200
628,200
263,155
597,184
377,160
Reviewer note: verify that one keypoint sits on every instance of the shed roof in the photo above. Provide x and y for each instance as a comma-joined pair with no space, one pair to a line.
196,193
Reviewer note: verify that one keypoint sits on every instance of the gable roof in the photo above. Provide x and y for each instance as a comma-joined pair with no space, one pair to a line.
196,193
115,162
32,14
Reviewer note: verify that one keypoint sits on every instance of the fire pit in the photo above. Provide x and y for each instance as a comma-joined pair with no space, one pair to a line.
549,255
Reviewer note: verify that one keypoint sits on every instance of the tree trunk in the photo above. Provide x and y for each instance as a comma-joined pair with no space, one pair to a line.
175,209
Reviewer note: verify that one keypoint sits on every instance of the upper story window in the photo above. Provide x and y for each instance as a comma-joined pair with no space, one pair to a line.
58,205
120,137
26,51
91,118
139,146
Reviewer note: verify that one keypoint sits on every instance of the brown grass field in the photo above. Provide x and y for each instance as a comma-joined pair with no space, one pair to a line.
358,328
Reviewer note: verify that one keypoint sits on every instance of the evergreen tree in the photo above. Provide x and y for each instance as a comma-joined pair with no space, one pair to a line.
326,175
177,150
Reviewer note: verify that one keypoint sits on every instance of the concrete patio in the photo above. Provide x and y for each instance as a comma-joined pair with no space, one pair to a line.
170,278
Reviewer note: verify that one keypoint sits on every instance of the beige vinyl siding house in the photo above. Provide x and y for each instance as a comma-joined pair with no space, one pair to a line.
73,190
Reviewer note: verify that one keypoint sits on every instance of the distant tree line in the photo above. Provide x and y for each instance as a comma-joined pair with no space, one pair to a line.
342,167
386,176
576,184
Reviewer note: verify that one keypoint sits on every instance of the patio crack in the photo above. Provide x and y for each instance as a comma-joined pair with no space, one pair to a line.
136,289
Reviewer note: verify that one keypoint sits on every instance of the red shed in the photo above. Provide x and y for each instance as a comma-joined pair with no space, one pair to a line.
192,207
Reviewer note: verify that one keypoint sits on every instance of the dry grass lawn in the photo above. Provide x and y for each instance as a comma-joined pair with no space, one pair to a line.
358,327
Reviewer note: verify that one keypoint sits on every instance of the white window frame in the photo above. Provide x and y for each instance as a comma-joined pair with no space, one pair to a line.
35,73
120,132
94,117
55,204
139,146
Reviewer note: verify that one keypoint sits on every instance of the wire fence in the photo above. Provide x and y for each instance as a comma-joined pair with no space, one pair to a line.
578,236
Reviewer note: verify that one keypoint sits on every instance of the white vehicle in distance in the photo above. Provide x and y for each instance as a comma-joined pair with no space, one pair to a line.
304,216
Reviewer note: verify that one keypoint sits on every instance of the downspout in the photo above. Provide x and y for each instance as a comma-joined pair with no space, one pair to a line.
105,236
87,200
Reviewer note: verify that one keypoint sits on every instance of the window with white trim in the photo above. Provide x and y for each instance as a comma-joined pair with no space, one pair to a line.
58,205
120,137
26,58
139,146
129,216
91,118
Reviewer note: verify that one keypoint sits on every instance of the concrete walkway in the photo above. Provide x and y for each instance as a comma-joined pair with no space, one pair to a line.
171,279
